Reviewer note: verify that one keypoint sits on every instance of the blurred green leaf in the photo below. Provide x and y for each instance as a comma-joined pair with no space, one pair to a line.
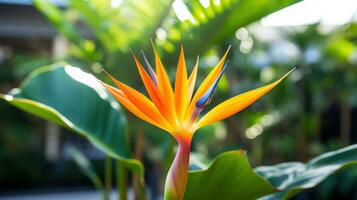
119,26
85,166
55,15
219,20
63,25
342,49
126,25
229,177
291,178
75,100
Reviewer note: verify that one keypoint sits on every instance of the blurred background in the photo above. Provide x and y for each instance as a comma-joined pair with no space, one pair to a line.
312,112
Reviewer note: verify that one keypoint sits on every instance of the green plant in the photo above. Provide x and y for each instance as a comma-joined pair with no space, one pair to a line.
208,27
34,97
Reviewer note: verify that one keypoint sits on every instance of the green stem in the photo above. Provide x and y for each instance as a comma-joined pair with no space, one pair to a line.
176,179
138,180
122,181
139,187
107,177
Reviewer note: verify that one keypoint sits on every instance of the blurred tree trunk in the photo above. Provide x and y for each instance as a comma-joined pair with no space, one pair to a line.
234,132
52,142
345,121
301,143
53,138
257,150
107,177
122,180
138,184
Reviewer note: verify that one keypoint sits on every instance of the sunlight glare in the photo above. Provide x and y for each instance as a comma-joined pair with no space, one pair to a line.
87,79
161,34
182,11
205,3
8,97
328,12
116,3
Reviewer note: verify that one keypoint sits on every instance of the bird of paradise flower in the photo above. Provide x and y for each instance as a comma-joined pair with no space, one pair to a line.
177,110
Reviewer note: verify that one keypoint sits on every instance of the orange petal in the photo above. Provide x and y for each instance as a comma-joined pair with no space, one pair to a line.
164,82
236,104
192,80
181,87
206,84
159,99
141,102
123,100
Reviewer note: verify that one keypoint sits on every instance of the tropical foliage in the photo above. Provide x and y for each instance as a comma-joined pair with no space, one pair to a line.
230,170
101,35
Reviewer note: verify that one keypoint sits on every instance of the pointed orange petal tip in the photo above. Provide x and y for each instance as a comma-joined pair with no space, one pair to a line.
132,53
237,103
181,86
124,101
153,47
192,79
164,86
106,73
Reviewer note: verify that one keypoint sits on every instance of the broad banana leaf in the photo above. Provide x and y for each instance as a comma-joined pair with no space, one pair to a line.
75,100
131,24
230,176
217,21
294,177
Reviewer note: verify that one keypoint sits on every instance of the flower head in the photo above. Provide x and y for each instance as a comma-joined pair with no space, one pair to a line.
177,109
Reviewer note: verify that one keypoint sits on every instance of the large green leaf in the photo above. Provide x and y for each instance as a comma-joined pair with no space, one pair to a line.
218,21
119,26
75,100
294,177
230,177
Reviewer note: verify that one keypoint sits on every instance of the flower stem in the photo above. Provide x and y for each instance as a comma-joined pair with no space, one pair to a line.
107,177
122,182
176,179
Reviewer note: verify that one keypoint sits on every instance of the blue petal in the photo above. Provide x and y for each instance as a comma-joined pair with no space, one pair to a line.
148,66
207,96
